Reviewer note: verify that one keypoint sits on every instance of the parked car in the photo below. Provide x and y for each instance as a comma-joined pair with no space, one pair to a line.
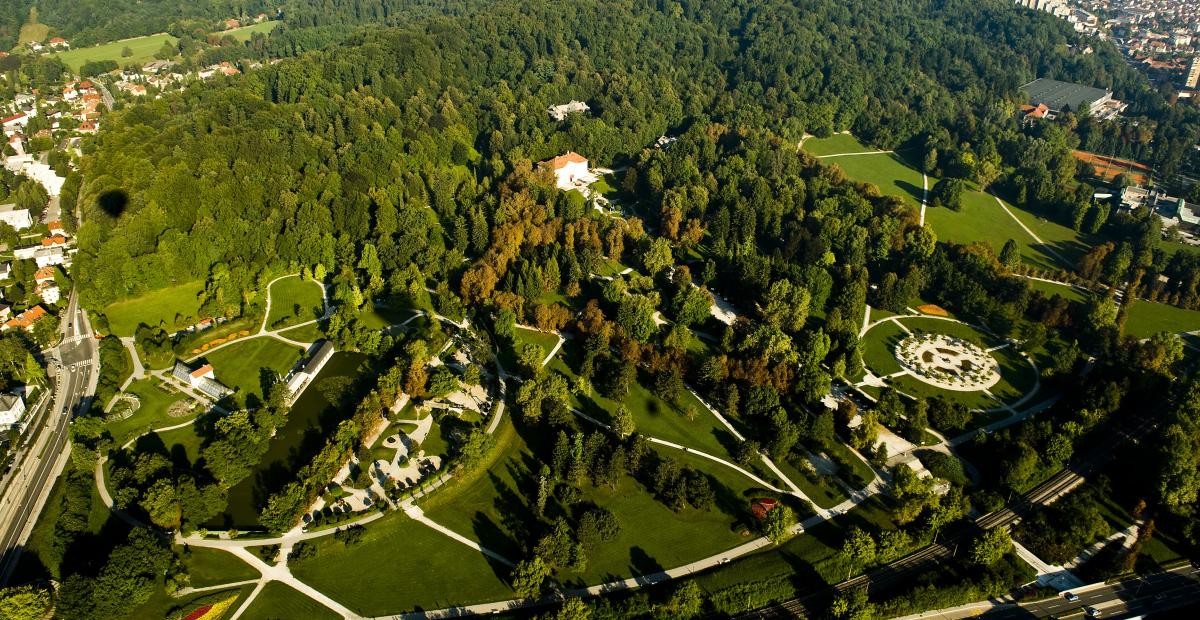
1071,598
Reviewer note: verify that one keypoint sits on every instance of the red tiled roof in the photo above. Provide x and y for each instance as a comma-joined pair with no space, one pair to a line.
45,273
14,117
570,158
58,40
27,318
201,371
55,240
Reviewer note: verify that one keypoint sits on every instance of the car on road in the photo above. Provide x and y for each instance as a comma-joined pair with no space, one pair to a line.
1092,612
1071,597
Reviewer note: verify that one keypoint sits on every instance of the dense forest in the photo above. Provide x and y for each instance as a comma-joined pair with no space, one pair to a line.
404,160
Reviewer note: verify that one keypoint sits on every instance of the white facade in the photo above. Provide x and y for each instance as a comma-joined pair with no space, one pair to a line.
12,410
49,293
17,218
36,170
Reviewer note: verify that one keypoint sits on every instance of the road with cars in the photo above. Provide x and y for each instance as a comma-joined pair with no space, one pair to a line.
74,375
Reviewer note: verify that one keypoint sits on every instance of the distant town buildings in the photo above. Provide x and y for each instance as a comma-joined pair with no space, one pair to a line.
1192,80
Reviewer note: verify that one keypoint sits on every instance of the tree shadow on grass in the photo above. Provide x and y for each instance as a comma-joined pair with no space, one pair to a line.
491,536
912,190
641,563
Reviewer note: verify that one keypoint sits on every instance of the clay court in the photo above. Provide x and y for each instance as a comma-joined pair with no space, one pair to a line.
1108,168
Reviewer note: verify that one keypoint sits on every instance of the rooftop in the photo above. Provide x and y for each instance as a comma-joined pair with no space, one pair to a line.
1060,96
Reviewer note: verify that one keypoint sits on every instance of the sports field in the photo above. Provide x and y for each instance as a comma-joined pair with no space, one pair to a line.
161,306
1107,168
143,49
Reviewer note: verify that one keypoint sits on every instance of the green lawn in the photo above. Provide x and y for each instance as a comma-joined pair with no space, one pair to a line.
307,333
808,561
983,219
143,49
152,412
279,601
294,301
240,365
655,417
879,347
887,171
837,143
1051,289
546,342
379,317
161,306
245,32
1147,318
822,490
211,567
401,565
182,438
652,536
1069,244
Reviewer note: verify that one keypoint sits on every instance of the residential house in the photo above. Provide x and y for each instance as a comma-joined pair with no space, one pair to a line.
59,43
15,121
19,219
5,312
43,255
56,227
230,24
26,319
46,285
12,410
5,270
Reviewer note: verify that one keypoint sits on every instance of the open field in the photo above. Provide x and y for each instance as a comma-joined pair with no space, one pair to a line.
143,49
240,366
152,412
279,600
210,567
982,219
887,171
32,31
1051,289
184,439
294,301
837,143
1108,168
307,333
1147,318
245,32
401,565
154,308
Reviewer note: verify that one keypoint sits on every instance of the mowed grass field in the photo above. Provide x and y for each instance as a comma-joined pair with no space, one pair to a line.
400,565
152,412
887,171
143,49
981,218
294,301
837,143
239,366
279,600
154,308
245,32
1147,318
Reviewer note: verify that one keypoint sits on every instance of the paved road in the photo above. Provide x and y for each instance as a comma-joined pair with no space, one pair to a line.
1158,592
74,388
